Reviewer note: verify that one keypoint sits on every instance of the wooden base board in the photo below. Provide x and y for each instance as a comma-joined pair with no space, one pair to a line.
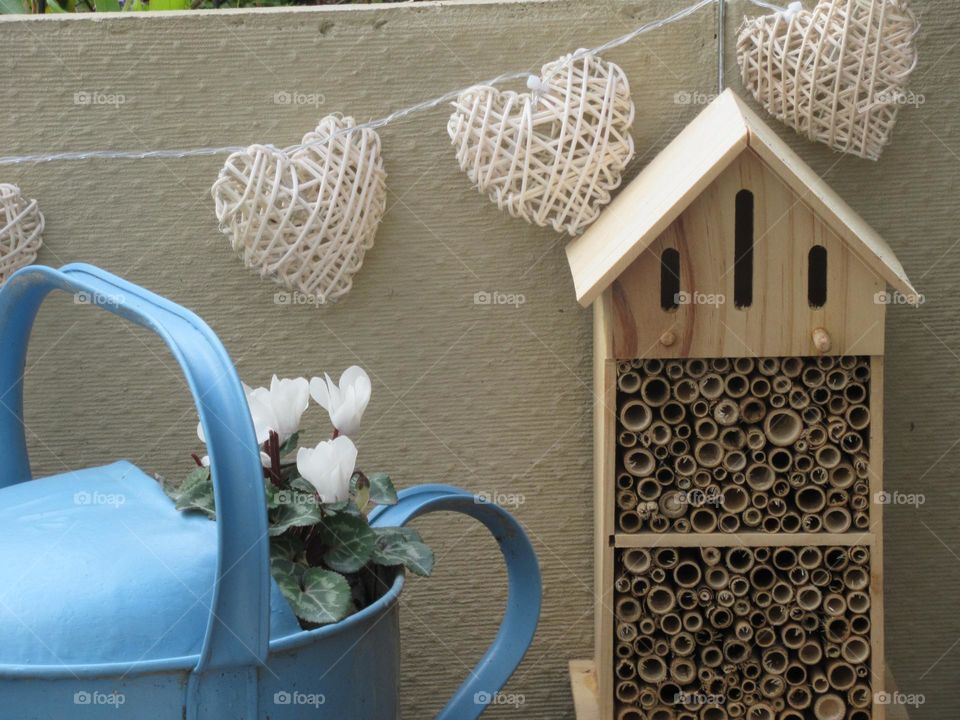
583,683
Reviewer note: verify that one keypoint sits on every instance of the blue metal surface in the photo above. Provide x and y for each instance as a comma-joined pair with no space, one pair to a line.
115,605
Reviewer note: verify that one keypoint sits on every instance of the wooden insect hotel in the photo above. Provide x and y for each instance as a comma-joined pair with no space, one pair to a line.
739,310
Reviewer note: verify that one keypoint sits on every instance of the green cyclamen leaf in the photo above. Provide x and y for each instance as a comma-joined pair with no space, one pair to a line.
412,554
196,492
350,541
382,491
286,547
388,535
295,510
325,598
315,595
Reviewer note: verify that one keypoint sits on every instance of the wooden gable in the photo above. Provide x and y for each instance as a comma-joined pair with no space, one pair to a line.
779,319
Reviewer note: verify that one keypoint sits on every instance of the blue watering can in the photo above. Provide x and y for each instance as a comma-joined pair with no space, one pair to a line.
115,605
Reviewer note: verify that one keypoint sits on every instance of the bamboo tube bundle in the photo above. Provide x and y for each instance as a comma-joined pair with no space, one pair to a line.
779,631
793,431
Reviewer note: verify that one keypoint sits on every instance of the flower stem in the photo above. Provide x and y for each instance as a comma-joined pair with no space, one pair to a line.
272,448
196,459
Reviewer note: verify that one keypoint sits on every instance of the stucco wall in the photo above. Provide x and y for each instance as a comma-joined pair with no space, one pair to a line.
495,399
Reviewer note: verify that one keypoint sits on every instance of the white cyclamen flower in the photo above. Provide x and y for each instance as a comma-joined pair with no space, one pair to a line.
329,467
345,403
277,409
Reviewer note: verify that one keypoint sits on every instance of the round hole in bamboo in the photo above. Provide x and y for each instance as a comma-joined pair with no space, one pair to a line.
672,412
836,520
780,459
855,393
635,415
760,477
660,433
855,650
782,427
752,410
629,382
639,462
630,521
860,624
627,691
737,385
856,578
841,675
830,707
706,428
726,412
655,391
828,456
686,391
708,453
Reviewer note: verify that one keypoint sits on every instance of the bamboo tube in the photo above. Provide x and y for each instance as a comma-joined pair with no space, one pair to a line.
639,462
856,578
858,602
627,632
626,500
734,499
759,388
861,372
660,452
743,630
855,649
836,629
819,476
788,714
858,417
803,462
685,465
759,477
635,415
860,624
624,481
703,520
627,691
735,651
790,522
782,593
859,555
780,459
661,713
630,713
702,478
708,453
627,609
744,365
752,517
639,586
655,391
660,433
720,617
762,577
812,376
673,369
706,428
711,386
781,384
811,415
855,393
795,674
625,669
627,439
629,521
774,660
672,412
658,523
624,366
652,366
682,644
736,385
701,408
623,650
629,382
837,379
798,399
756,439
799,697
734,461
672,504
728,523
836,520
768,366
841,675
661,599
810,499
682,670
726,412
782,427
761,711
648,489
841,475
809,597
820,394
686,390
861,521
829,707
665,557
859,696
648,698
776,615
852,442
692,621
648,626
828,456
622,583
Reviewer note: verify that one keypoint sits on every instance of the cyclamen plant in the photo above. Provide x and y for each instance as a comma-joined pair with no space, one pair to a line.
325,557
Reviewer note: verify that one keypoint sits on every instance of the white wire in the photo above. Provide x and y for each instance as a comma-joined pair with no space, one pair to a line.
372,124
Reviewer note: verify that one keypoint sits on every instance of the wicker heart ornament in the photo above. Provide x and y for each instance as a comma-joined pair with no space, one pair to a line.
21,230
837,73
305,216
554,155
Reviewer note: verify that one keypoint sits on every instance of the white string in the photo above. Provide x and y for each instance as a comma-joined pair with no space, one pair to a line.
372,124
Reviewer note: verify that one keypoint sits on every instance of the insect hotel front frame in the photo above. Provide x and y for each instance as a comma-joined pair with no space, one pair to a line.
739,309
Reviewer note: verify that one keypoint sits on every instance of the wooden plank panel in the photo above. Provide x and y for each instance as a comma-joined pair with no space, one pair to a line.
877,646
779,321
685,540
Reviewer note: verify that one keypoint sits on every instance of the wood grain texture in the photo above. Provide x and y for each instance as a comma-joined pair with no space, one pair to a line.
725,129
780,321
490,398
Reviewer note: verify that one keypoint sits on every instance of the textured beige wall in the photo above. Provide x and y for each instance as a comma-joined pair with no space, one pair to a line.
490,398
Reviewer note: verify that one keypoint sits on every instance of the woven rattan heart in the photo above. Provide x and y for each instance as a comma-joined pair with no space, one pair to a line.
835,74
305,216
553,156
21,227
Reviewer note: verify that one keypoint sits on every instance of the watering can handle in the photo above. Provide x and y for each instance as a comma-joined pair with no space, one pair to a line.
523,595
237,633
